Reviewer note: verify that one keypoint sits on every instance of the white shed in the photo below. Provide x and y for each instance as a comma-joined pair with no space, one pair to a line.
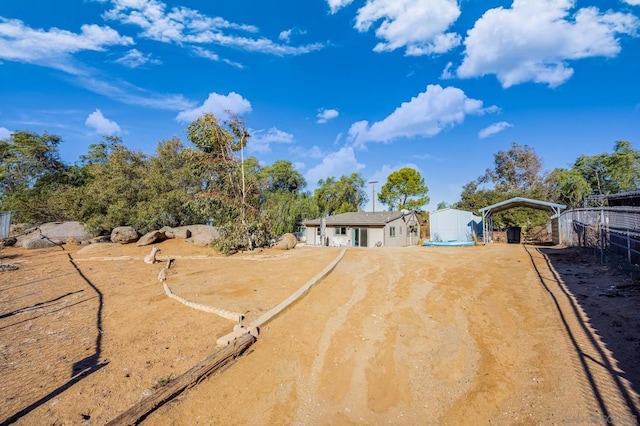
454,225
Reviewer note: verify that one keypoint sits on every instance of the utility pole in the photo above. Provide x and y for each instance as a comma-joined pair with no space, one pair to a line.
373,193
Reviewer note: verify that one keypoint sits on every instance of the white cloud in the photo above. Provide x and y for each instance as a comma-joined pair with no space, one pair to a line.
132,95
134,59
100,124
182,25
493,129
207,54
335,5
5,133
632,2
425,115
447,72
286,35
325,115
534,40
261,140
419,26
52,47
217,105
313,152
336,164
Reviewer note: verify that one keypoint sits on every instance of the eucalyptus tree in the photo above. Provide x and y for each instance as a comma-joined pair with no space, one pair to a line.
228,196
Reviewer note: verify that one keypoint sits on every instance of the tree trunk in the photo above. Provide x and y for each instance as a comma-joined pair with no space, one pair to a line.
211,364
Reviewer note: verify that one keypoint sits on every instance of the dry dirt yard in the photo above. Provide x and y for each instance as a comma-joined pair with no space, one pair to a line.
501,334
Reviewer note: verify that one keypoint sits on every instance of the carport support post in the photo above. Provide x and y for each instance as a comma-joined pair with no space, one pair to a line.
485,238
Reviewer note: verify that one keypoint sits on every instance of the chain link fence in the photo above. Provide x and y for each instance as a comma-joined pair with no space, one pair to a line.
609,230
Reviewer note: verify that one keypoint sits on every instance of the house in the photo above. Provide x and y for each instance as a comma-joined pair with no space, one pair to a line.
365,229
454,225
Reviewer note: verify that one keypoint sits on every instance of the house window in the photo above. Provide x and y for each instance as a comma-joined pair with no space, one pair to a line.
392,231
400,230
318,231
341,231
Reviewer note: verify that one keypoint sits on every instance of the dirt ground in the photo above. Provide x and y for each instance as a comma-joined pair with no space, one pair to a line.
500,334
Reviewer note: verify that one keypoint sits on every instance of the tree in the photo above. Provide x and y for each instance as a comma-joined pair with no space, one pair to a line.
30,167
340,196
282,176
516,173
611,173
228,196
405,189
442,205
516,170
568,187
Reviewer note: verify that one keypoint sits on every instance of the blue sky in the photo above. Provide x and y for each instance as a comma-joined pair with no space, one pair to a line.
334,86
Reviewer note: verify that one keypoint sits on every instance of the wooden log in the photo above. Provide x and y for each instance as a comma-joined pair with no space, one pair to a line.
211,364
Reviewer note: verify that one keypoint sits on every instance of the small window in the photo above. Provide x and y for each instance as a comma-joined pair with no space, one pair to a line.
318,231
392,231
400,230
341,231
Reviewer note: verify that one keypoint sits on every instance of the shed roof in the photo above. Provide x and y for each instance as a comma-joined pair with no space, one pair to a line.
522,202
359,219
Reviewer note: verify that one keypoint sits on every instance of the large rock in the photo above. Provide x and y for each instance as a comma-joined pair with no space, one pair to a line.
181,232
287,242
40,242
8,241
124,235
55,232
202,235
151,238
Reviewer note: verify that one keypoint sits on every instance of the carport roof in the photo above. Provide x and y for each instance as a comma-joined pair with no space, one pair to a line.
522,202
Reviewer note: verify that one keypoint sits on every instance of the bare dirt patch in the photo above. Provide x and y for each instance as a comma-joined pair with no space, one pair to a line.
502,333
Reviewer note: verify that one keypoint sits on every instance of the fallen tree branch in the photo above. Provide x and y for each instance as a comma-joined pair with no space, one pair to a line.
211,364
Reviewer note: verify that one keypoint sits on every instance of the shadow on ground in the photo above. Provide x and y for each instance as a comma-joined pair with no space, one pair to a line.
610,299
81,368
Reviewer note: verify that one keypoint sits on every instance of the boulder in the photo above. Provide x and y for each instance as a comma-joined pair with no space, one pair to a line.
8,241
58,232
151,238
177,232
100,239
124,235
287,242
202,235
40,242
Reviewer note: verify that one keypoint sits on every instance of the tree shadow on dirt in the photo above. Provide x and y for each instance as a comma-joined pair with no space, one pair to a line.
80,369
39,305
610,301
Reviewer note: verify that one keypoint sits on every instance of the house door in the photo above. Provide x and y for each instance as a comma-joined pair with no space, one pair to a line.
360,237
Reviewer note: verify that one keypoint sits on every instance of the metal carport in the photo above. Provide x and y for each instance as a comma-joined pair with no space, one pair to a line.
489,211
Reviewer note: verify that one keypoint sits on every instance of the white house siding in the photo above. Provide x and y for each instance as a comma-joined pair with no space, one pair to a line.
377,225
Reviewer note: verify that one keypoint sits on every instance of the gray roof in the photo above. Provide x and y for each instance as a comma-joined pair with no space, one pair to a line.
359,219
522,202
